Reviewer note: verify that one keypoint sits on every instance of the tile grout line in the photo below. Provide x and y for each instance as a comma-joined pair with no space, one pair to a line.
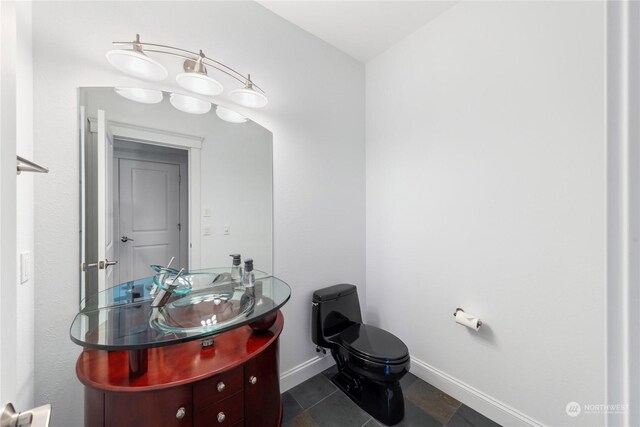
365,423
452,415
330,383
296,400
321,400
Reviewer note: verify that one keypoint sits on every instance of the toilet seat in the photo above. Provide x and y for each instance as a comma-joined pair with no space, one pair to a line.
373,344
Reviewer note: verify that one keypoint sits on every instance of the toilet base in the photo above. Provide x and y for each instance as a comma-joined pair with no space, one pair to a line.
383,401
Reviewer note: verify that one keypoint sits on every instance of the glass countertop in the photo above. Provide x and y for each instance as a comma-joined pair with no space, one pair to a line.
139,290
121,318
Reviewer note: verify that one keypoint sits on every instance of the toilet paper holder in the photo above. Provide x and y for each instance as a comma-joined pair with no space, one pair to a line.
459,309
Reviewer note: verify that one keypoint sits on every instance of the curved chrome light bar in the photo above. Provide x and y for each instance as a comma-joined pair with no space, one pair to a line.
195,75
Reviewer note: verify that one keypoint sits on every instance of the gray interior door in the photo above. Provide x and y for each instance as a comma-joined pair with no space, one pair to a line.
149,216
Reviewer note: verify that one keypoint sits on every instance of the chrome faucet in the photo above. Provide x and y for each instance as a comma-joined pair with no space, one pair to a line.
163,295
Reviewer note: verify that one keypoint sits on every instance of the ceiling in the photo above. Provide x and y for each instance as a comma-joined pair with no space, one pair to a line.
361,29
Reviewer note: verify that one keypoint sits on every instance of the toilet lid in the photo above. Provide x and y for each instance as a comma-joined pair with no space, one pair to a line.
373,343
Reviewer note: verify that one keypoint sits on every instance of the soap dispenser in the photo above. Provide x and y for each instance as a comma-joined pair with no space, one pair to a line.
236,270
249,278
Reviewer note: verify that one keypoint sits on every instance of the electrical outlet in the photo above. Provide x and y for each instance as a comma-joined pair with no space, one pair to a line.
206,230
25,266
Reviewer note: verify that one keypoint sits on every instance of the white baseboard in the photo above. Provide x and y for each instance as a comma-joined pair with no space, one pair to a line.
304,371
473,398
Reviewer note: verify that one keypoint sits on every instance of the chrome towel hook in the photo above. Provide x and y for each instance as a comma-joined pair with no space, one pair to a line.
25,165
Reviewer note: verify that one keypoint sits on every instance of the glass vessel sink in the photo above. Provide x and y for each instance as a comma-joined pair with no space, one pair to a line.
205,310
121,318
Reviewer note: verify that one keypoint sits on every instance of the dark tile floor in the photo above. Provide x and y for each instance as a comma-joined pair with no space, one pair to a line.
317,402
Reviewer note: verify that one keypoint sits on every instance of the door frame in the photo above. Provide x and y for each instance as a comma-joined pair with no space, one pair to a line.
193,145
622,357
105,186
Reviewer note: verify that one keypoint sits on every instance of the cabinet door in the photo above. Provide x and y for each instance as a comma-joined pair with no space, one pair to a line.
262,389
93,407
226,413
162,408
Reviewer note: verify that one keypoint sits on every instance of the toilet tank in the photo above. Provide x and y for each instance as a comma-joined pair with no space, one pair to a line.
334,309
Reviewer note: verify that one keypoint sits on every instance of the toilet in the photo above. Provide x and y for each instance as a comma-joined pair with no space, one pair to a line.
370,360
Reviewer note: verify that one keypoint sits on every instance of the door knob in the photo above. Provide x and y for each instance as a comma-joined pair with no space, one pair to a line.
106,263
125,239
36,417
85,265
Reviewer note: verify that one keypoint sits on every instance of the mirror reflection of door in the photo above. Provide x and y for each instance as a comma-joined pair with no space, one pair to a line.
98,211
150,208
136,207
105,204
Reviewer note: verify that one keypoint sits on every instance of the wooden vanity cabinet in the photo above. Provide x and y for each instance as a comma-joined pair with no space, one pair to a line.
152,408
234,383
214,392
262,405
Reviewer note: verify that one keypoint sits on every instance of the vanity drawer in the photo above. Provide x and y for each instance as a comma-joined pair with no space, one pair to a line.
217,388
228,412
170,407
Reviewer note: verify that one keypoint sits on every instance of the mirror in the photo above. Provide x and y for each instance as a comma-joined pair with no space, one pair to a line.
158,183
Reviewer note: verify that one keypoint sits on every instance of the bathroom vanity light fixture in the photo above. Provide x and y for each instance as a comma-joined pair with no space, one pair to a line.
195,78
189,104
136,63
145,96
229,115
248,96
131,58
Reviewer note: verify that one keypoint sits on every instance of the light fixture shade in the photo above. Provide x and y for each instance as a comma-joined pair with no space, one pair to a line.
145,96
137,64
230,115
248,97
199,83
189,104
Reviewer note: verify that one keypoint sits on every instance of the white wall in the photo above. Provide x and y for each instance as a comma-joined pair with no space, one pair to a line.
8,121
25,207
485,160
316,114
16,113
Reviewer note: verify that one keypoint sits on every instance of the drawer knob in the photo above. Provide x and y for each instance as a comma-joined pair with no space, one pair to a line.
221,417
220,386
181,413
253,379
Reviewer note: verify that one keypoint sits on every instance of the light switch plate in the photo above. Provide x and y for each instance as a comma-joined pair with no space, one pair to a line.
207,212
206,230
227,230
25,266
